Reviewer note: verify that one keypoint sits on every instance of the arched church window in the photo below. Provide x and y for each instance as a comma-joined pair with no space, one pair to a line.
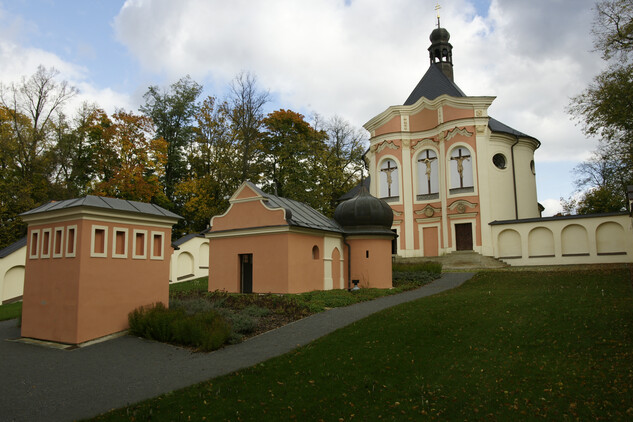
389,180
428,180
461,165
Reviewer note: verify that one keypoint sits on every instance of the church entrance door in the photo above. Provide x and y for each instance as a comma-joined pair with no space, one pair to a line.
464,236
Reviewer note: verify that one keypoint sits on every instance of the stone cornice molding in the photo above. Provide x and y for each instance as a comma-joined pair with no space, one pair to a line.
460,206
479,104
457,131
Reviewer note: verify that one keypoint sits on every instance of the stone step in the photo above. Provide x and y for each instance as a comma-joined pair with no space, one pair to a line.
460,260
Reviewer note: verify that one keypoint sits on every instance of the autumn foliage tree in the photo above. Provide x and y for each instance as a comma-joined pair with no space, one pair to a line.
186,155
605,108
130,160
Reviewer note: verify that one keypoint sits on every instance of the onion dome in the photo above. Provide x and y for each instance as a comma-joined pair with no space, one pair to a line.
364,214
439,35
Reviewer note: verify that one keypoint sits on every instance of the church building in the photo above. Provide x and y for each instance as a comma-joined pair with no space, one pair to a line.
446,167
459,180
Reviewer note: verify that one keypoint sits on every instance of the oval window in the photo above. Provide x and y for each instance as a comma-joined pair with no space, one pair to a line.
532,167
499,160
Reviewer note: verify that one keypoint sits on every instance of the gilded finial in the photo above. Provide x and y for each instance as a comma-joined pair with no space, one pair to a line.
437,8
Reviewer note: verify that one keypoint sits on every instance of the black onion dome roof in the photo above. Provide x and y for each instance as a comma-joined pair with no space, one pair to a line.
439,35
364,214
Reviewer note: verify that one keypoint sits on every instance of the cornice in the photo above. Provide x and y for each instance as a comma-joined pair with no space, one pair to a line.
477,103
99,214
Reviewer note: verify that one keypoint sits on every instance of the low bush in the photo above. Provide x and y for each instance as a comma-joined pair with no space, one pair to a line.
427,266
401,278
205,330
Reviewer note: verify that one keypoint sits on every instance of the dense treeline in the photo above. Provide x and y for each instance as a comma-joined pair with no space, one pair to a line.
185,153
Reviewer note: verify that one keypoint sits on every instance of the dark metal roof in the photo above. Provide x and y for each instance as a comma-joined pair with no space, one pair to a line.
188,237
299,214
433,84
13,247
496,126
355,190
104,203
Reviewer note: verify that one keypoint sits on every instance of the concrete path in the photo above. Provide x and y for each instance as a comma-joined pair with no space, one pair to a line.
44,384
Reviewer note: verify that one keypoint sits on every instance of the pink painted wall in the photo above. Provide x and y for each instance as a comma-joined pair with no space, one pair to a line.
73,300
392,126
424,120
373,271
452,113
282,262
248,214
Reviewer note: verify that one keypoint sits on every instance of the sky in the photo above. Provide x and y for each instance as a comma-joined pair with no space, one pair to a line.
352,58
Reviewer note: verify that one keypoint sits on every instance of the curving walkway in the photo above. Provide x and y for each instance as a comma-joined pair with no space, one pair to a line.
43,384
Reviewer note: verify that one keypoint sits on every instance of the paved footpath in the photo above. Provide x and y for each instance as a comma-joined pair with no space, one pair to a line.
45,384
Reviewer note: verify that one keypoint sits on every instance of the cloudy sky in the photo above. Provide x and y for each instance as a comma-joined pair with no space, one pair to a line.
353,58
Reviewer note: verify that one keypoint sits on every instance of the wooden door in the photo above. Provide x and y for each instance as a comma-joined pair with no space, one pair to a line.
464,236
430,241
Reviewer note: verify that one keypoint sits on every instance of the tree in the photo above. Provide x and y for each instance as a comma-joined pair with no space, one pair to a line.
605,108
247,112
343,160
73,154
601,183
215,167
130,159
37,98
27,111
173,112
293,156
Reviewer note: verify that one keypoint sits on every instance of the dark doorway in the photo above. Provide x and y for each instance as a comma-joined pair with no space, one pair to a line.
394,243
464,236
246,273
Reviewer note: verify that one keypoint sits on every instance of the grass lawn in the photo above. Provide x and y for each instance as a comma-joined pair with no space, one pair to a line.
504,346
10,311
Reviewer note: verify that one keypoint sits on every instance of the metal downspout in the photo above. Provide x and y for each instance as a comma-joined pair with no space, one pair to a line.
514,180
349,264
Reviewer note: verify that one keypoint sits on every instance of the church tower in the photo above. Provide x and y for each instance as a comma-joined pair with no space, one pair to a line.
441,51
445,167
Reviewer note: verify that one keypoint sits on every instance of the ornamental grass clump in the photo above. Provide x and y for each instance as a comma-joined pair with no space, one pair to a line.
205,331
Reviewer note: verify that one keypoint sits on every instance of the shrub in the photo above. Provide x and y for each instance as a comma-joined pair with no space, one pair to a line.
427,266
204,330
401,278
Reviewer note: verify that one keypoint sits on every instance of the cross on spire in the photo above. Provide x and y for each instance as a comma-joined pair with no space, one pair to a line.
437,8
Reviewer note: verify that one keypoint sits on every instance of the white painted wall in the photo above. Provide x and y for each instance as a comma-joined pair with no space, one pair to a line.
190,261
12,275
567,240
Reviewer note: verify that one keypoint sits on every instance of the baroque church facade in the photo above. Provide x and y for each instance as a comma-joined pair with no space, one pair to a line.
447,168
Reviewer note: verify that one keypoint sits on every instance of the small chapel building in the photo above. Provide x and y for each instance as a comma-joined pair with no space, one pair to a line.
90,262
459,180
268,244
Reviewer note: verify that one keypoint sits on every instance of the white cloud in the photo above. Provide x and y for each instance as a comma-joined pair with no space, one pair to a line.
356,60
18,61
552,207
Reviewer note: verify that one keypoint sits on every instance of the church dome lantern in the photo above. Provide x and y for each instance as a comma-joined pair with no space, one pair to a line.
365,214
441,51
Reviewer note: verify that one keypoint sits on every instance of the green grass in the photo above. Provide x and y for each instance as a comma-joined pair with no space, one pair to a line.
198,285
10,311
504,346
